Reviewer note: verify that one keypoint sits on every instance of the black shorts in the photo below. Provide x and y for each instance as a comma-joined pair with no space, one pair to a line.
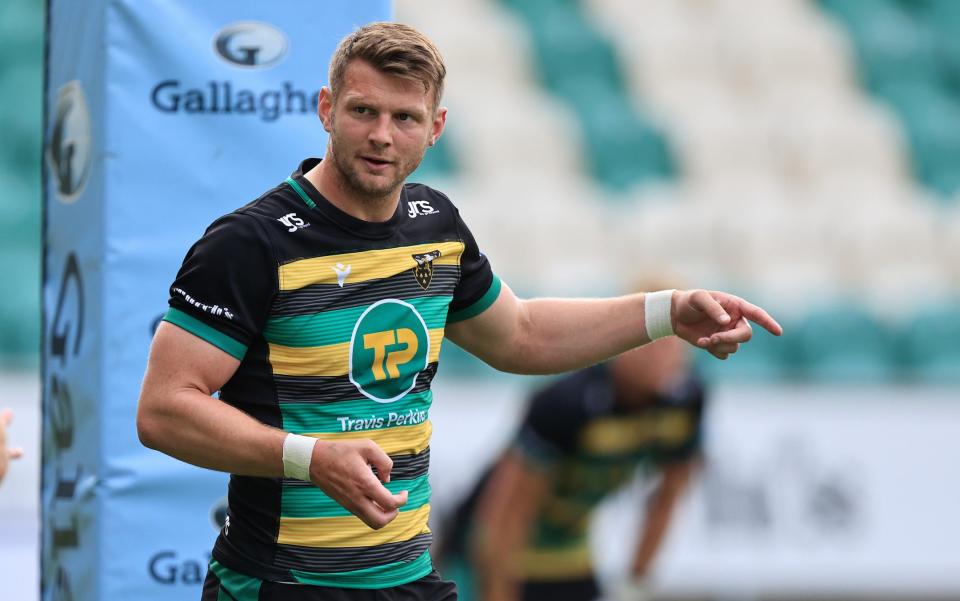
238,587
584,589
578,589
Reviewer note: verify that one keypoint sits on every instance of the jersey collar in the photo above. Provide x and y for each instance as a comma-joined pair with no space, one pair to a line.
317,202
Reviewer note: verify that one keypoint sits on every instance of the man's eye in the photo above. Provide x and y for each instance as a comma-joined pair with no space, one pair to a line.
403,117
361,110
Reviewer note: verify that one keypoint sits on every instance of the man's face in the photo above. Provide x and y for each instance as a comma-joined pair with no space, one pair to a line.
654,367
380,126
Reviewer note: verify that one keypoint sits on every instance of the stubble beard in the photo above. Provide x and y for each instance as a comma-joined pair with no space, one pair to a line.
364,190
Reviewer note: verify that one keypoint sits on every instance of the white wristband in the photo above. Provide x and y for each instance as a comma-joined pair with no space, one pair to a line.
656,308
297,453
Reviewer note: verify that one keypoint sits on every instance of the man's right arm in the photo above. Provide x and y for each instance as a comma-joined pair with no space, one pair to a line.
177,416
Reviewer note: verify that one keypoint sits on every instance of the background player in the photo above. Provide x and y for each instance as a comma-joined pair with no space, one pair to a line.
522,533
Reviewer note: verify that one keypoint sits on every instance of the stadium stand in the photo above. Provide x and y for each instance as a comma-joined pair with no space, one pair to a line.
21,76
908,57
803,149
590,140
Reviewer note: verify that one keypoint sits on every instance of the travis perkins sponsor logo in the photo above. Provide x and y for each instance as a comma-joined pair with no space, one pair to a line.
222,98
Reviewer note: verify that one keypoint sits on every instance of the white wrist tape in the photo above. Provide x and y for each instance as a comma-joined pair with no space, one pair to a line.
297,453
657,311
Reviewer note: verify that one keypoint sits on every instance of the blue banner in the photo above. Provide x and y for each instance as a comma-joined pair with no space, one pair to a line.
161,116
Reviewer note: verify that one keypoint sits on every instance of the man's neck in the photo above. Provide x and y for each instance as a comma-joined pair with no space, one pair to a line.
328,180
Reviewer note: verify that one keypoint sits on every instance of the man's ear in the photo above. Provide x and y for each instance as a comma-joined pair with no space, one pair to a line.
325,107
438,123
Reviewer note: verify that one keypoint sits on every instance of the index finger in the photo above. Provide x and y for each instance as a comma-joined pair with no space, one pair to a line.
381,495
378,460
760,317
703,301
372,514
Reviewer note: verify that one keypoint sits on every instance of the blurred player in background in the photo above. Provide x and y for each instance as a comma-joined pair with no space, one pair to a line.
6,454
522,533
318,310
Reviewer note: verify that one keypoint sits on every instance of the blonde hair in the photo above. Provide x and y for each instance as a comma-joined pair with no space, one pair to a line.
395,49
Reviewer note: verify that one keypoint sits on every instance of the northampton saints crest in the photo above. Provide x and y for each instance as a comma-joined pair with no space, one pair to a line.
424,269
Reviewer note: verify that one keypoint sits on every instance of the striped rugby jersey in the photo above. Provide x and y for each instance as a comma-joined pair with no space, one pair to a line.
338,324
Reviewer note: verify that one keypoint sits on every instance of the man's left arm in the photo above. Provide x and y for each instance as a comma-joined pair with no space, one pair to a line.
551,335
675,479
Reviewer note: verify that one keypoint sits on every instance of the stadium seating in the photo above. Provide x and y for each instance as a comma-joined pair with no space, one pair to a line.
908,55
803,157
438,164
807,146
579,65
21,77
929,344
842,344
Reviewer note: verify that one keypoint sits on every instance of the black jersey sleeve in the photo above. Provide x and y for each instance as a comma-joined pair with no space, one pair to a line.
554,418
223,290
686,422
478,287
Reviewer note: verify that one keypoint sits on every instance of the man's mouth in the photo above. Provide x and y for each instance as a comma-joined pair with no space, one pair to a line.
375,162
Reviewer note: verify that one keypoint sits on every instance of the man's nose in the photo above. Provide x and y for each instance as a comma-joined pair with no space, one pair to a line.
382,132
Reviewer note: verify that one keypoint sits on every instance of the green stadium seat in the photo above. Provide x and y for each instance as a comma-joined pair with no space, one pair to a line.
942,15
20,301
763,359
567,47
942,19
534,10
622,145
909,53
842,344
929,345
853,12
932,119
21,112
19,210
894,46
22,24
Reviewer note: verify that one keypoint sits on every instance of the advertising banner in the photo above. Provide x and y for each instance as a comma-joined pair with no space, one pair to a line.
813,492
160,116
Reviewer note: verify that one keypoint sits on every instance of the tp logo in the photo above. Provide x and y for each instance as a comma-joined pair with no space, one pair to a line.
389,348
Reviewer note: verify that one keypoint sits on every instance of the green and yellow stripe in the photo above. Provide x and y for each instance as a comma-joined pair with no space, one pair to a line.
350,531
333,327
364,265
311,502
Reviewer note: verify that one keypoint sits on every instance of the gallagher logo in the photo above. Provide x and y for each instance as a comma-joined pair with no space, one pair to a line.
250,44
68,142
